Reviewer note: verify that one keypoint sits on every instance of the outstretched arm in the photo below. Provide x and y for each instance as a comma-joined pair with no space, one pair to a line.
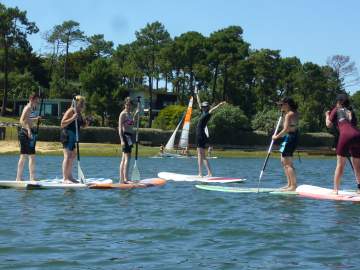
196,91
217,106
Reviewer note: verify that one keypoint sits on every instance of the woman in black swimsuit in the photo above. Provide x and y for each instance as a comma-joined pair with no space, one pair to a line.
201,136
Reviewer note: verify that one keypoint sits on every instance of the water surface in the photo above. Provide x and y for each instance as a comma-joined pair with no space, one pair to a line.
177,226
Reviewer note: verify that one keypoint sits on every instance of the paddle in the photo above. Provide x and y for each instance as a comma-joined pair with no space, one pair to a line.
35,136
269,151
135,175
81,176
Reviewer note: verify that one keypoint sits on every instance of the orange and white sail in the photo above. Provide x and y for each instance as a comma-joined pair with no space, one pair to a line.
184,138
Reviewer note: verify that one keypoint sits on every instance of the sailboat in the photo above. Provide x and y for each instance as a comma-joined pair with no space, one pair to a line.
184,137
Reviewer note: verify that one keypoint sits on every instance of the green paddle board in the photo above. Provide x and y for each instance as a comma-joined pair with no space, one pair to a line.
235,189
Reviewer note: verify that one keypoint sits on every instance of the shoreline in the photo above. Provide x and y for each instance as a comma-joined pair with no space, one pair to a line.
114,150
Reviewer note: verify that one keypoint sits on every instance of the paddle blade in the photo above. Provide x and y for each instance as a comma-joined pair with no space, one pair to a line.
135,174
81,175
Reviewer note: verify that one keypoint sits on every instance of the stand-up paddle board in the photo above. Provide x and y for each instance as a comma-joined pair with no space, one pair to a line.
193,178
272,191
320,193
235,189
145,183
52,183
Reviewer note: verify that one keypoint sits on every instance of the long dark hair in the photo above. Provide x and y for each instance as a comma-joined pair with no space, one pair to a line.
292,104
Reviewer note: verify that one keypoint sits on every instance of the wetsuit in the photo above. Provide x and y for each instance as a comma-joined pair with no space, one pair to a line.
289,142
127,136
68,134
349,138
201,137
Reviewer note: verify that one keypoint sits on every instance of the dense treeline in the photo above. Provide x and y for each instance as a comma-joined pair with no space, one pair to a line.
223,66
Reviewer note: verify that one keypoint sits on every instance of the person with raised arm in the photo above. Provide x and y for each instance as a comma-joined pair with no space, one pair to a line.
68,136
126,133
349,138
201,136
27,138
290,135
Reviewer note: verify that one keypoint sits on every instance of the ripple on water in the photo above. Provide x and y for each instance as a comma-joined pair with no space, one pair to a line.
177,226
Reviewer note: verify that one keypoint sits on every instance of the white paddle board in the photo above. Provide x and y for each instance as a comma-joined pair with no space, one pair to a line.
51,183
193,178
321,193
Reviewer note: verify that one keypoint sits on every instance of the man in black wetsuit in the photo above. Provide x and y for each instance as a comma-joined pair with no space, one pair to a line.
201,137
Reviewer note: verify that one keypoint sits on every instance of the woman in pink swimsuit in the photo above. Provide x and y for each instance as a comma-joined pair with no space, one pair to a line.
349,139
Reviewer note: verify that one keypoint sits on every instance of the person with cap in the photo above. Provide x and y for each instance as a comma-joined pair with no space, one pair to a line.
349,138
289,133
68,136
27,139
201,136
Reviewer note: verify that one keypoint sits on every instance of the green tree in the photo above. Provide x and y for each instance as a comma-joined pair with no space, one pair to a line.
14,28
148,44
227,47
99,82
64,36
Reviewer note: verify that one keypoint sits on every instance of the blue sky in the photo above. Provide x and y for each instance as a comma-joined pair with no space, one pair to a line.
309,29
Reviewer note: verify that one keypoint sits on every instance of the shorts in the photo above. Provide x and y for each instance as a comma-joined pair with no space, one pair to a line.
27,146
128,143
289,144
201,142
68,139
348,149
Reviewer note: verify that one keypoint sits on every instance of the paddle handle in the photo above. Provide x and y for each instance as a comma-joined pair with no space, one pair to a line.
137,129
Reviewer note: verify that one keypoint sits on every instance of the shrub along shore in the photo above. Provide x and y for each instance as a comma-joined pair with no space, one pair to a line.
96,141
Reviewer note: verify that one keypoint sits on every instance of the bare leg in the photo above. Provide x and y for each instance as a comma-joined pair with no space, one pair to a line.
286,174
339,171
206,162
20,170
200,161
66,165
356,165
72,156
124,167
289,167
32,167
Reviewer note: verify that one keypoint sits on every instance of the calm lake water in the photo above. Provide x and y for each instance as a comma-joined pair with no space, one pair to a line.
177,226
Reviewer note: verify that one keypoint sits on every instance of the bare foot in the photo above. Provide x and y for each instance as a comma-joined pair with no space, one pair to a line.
284,187
128,182
291,188
200,175
209,175
335,192
19,179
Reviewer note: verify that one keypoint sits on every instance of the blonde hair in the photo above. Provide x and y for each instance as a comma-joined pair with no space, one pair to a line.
80,99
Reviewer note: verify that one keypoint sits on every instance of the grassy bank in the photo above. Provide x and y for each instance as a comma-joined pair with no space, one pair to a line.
102,149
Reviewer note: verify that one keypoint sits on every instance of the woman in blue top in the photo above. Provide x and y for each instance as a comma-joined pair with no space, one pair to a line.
201,137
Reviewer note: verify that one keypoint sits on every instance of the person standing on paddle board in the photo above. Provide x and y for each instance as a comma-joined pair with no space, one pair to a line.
201,137
289,133
68,136
27,138
126,133
349,139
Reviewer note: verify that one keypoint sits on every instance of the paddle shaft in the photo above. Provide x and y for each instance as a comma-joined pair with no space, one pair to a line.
269,151
137,130
76,132
41,106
